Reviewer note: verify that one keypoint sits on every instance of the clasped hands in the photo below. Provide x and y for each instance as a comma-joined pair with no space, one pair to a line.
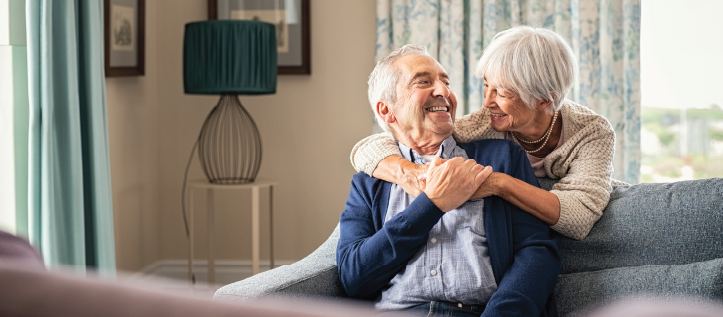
448,183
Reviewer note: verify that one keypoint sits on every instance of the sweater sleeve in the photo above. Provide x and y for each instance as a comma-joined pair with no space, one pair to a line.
584,190
367,153
367,257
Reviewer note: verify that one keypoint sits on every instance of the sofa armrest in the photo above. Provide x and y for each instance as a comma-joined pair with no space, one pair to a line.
314,276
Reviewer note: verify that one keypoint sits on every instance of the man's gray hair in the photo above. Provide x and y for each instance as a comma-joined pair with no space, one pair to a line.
383,80
535,63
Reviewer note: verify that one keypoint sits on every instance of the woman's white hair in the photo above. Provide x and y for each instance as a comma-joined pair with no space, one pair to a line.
383,80
534,63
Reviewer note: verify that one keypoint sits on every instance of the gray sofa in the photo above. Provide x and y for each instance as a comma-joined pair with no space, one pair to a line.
661,239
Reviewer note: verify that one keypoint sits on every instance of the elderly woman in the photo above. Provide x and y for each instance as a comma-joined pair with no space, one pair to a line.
527,74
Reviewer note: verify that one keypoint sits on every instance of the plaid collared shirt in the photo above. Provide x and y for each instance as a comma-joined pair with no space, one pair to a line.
454,265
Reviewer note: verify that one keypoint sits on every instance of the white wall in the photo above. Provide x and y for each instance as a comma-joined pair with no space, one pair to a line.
133,120
308,128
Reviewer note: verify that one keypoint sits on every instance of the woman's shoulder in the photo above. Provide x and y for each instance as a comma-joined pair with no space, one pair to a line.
587,135
577,117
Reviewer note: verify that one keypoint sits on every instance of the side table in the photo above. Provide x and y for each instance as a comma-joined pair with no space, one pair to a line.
209,190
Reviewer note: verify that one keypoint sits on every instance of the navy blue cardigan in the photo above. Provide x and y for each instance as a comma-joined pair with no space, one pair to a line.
523,250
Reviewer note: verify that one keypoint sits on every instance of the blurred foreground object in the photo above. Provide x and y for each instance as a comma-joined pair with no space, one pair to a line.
16,249
33,293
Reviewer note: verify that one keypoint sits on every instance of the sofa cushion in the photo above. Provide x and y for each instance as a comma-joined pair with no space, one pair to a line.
651,224
575,291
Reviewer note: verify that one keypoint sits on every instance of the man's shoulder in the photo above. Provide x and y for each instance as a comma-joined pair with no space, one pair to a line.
365,183
363,178
490,147
486,142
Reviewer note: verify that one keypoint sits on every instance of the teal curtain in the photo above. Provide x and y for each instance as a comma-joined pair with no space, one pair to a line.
604,34
70,214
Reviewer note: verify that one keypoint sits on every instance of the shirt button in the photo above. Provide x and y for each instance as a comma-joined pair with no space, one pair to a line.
434,240
433,272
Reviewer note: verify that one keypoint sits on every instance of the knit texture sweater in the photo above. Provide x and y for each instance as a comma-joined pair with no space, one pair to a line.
583,163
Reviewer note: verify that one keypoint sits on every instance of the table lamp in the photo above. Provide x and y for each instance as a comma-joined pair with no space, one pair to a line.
229,58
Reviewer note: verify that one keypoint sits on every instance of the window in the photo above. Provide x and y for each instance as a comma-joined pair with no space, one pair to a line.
681,54
13,116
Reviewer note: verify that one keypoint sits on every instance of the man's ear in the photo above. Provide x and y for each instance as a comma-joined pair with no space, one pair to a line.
384,110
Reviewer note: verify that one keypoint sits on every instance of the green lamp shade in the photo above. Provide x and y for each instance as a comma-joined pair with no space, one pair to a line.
227,57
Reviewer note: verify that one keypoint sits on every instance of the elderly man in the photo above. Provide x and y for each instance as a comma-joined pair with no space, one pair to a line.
439,254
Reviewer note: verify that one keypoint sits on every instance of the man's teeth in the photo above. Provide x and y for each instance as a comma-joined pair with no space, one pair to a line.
440,108
498,115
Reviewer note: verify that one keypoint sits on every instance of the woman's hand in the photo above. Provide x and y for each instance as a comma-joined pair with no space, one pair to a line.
488,187
413,177
414,183
410,176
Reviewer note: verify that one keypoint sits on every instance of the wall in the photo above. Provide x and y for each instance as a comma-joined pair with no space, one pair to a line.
133,129
308,129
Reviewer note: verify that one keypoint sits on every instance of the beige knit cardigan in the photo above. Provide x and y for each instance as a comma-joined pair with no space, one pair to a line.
583,163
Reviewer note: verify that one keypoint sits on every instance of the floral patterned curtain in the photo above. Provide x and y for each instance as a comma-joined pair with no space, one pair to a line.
604,34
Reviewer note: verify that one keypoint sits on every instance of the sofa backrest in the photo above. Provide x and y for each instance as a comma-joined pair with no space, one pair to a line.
663,240
651,224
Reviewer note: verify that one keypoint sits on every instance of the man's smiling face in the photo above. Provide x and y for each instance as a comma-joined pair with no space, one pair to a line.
425,106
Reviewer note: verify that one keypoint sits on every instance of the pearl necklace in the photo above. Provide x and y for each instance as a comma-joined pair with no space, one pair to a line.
546,137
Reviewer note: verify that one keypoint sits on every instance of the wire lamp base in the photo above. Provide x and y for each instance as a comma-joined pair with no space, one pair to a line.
229,146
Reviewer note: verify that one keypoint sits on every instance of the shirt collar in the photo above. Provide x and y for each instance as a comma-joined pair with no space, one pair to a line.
446,150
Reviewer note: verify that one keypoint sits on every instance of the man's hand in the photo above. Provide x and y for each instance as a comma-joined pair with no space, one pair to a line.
450,183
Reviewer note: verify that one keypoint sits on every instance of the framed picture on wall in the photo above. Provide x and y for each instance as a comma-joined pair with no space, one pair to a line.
291,18
124,37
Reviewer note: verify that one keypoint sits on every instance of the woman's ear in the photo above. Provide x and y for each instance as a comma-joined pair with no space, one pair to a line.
384,110
544,105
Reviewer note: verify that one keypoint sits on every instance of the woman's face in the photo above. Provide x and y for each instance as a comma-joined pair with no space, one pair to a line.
507,111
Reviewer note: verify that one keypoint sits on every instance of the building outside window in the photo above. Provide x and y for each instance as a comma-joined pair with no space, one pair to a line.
681,90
